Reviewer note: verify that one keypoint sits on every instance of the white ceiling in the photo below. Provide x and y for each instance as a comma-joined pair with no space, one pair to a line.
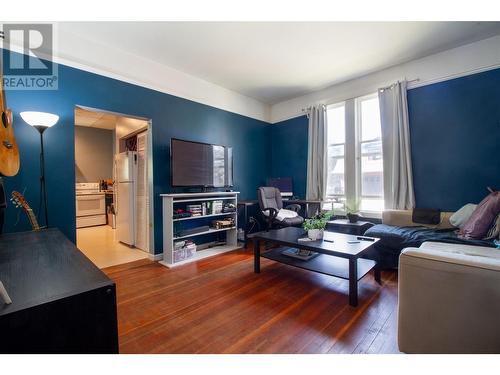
94,119
273,62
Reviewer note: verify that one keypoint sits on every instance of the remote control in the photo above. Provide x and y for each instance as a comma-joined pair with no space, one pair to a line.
365,238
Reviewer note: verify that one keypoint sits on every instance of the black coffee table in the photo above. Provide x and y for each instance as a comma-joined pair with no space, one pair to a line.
337,257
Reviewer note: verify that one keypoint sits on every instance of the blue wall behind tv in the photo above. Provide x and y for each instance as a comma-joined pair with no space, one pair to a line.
171,117
455,141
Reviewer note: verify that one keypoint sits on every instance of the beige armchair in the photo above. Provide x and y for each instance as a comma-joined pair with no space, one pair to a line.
449,299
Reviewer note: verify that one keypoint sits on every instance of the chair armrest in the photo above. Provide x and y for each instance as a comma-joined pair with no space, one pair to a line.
273,212
293,207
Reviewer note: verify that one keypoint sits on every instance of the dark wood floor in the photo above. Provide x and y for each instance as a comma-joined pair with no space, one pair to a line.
218,305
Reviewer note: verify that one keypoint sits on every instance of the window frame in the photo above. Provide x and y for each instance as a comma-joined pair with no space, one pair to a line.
352,153
337,196
359,154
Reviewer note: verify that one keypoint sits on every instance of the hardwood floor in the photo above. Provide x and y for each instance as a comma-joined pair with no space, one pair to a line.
218,305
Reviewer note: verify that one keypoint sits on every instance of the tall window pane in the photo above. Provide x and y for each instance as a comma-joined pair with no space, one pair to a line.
370,120
371,164
336,151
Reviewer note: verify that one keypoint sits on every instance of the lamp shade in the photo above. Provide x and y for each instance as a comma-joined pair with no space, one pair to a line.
42,119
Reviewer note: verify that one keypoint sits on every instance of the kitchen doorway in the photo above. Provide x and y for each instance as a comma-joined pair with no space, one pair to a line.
114,189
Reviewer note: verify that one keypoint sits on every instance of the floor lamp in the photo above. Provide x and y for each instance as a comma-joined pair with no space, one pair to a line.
41,121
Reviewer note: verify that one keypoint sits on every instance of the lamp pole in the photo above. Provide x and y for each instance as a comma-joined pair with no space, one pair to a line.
43,191
41,121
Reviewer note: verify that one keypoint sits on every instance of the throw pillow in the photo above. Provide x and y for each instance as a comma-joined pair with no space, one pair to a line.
481,219
494,232
459,218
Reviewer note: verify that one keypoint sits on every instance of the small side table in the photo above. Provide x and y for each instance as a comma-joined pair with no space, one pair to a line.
345,226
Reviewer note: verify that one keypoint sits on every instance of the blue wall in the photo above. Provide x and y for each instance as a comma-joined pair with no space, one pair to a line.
455,141
171,117
455,138
289,152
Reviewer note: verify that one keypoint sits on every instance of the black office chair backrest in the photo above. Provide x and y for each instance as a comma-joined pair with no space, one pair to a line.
269,197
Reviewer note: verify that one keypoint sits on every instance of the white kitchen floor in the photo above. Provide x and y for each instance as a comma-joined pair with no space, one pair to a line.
100,245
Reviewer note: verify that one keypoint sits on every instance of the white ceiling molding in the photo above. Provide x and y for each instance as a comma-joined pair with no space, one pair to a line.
453,63
80,53
270,71
277,61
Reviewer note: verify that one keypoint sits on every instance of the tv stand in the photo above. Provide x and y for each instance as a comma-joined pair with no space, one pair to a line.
204,250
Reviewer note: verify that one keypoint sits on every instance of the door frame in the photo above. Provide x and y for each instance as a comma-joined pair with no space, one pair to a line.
149,130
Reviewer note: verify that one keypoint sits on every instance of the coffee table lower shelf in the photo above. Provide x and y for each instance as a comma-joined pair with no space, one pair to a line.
325,264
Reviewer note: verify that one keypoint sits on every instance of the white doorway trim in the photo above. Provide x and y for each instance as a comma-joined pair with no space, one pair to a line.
149,129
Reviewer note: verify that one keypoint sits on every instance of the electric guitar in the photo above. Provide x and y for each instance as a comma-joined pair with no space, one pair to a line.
9,153
19,202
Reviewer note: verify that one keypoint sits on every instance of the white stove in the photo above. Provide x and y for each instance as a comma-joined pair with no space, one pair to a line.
90,205
82,188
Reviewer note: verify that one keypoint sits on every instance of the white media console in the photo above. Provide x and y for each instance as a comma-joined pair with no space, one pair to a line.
174,201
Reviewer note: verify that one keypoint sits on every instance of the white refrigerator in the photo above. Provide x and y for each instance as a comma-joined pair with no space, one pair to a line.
126,178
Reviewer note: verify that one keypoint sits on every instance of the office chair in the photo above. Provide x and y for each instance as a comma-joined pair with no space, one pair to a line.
270,201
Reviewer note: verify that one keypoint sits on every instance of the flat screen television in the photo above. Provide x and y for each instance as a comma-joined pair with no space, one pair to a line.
196,164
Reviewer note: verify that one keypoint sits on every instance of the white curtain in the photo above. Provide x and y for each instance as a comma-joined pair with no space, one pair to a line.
398,178
317,156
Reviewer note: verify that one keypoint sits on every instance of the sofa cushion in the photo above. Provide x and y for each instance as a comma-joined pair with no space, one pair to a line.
403,218
482,218
394,239
494,231
459,218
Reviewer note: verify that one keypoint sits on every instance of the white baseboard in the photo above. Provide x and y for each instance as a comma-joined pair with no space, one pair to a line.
155,257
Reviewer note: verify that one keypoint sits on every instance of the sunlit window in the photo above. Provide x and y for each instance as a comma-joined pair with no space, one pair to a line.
336,152
371,168
355,164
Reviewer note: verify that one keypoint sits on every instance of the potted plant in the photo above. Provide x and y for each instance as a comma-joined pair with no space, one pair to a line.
352,211
316,226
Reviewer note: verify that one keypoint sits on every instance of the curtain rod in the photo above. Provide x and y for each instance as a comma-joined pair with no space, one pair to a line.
390,86
307,109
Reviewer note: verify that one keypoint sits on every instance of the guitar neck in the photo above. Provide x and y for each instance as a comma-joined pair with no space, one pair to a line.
2,92
32,218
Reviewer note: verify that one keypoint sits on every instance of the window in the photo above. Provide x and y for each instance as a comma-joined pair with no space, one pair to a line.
355,164
370,167
335,186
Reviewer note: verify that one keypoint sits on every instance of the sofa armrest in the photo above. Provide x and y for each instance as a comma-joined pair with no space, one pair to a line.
403,218
447,304
480,257
400,218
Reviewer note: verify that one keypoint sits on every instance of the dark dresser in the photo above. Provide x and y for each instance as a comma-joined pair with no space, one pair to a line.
61,302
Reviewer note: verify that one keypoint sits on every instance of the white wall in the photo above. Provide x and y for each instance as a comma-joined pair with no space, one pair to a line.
93,154
78,52
467,59
126,126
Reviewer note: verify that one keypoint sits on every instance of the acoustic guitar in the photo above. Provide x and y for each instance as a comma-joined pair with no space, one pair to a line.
9,153
19,201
